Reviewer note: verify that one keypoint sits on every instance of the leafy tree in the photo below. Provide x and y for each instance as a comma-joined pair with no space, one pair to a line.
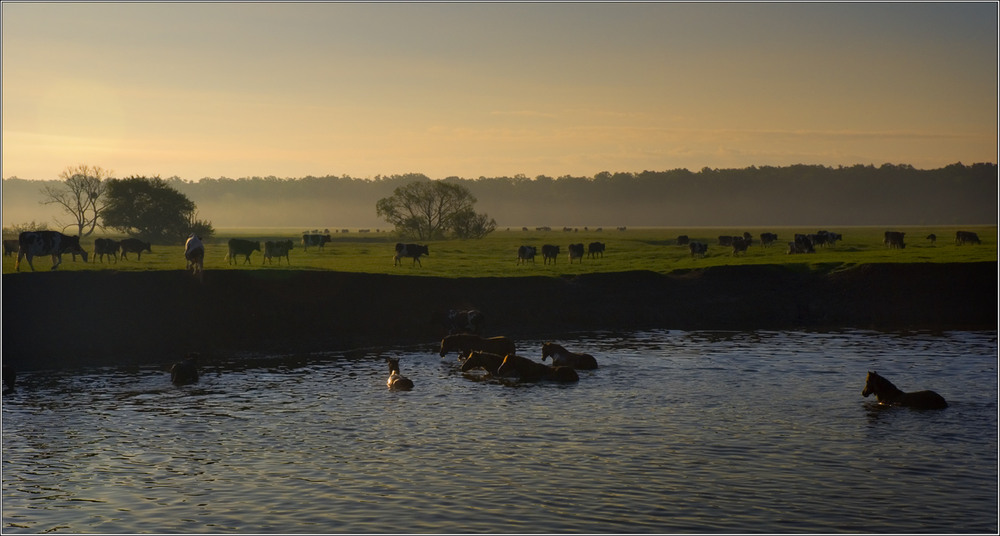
151,210
430,209
81,195
468,224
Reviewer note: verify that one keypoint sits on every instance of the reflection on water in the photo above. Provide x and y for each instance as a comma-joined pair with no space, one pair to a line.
676,432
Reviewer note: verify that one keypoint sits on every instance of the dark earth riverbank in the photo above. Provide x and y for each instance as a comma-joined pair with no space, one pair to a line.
58,319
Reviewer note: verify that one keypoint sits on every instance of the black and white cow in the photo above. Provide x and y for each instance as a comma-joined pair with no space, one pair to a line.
32,244
802,244
766,239
10,247
575,252
549,252
106,246
315,240
526,253
413,251
134,245
238,246
194,253
740,245
698,248
594,249
894,240
277,249
966,237
683,240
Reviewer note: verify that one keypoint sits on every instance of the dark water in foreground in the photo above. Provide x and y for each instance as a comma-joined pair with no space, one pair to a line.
676,432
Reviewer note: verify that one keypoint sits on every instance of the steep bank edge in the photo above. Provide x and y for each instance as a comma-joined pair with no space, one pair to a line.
57,319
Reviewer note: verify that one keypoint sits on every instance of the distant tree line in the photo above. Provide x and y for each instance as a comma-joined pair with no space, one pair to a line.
754,196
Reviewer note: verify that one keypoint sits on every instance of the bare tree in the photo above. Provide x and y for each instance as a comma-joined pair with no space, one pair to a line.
81,196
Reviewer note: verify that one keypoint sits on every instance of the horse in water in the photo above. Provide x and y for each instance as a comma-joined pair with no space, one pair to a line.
484,360
530,371
563,357
465,342
890,395
396,381
185,372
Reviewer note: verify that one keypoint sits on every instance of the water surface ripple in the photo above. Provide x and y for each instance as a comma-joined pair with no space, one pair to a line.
676,432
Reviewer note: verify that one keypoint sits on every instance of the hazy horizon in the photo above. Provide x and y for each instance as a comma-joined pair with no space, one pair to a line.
493,89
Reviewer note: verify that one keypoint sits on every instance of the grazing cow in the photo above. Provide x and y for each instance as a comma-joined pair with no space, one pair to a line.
932,237
277,249
698,248
825,238
238,246
531,371
594,249
465,343
106,246
966,237
683,240
413,251
894,240
740,245
315,240
766,239
575,252
561,357
464,321
802,244
134,245
549,252
396,381
32,244
526,253
748,237
725,240
186,371
9,247
194,253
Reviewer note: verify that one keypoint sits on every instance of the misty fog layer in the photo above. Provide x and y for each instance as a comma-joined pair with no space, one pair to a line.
752,197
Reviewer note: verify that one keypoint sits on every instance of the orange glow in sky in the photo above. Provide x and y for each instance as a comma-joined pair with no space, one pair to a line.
256,89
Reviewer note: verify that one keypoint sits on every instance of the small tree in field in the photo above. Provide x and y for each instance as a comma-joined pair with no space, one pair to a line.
430,209
81,195
148,208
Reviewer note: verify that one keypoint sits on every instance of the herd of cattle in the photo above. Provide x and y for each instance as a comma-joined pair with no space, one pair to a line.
32,244
550,252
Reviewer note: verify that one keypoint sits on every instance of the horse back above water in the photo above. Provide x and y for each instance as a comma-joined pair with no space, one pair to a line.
890,395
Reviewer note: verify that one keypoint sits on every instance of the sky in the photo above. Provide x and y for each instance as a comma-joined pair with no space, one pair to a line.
493,89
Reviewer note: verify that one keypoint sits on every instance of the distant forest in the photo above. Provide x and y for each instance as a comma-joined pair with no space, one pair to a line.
799,195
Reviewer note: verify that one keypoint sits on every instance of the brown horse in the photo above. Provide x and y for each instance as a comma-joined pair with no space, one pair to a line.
484,360
890,395
465,343
396,381
531,371
185,372
563,357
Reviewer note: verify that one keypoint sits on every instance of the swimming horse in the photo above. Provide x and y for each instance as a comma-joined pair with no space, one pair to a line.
396,381
563,357
890,395
185,372
531,371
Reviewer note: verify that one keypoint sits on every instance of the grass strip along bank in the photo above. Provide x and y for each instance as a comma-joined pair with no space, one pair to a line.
641,249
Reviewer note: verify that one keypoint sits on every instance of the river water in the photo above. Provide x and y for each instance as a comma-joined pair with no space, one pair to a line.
677,432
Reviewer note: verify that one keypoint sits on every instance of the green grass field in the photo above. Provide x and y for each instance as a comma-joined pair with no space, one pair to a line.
652,249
